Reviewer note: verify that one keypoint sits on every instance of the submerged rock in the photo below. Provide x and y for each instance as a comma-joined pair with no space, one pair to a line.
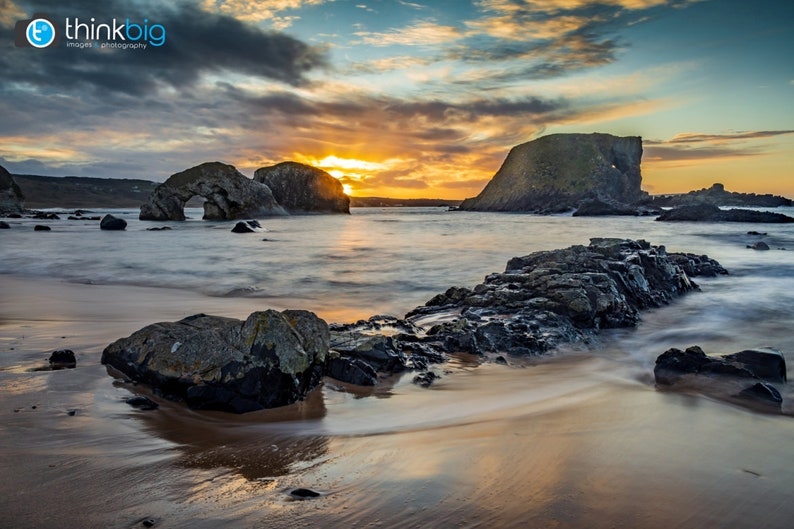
301,188
228,193
270,359
41,227
556,173
4,225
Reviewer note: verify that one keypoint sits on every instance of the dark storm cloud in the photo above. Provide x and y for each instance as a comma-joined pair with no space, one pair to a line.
197,42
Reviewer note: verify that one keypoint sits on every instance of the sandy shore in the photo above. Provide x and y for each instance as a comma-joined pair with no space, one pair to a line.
575,441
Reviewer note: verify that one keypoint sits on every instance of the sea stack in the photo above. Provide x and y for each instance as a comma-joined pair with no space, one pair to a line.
301,188
11,198
556,173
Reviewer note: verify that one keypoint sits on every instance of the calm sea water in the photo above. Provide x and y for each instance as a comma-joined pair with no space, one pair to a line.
390,260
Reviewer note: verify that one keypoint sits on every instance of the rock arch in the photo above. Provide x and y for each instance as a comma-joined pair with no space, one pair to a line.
228,193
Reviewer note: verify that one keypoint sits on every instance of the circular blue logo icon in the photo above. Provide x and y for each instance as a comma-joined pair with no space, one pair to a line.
40,33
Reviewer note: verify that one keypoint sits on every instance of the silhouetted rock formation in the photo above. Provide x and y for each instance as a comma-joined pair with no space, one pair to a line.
556,173
710,213
228,193
11,198
302,188
717,196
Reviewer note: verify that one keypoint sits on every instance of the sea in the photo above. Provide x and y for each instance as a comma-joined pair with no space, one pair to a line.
580,438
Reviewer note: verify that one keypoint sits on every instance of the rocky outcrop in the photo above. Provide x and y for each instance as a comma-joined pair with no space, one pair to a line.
11,198
710,213
718,196
540,302
748,375
302,188
228,194
556,173
270,359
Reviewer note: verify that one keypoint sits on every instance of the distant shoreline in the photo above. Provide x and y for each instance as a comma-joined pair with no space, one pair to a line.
84,192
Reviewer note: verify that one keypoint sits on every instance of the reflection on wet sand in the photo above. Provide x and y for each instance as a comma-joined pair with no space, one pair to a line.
259,446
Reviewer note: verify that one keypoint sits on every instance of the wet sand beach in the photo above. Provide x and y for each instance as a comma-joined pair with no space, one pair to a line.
582,439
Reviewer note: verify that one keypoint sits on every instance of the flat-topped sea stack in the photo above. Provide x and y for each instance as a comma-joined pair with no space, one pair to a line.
11,199
556,173
228,193
301,188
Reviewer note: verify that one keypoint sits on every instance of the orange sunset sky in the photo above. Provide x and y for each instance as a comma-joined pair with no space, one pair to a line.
407,98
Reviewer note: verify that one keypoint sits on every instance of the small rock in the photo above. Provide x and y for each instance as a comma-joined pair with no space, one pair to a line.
41,227
142,403
760,245
425,379
242,227
753,232
161,228
71,413
4,225
304,494
63,359
109,222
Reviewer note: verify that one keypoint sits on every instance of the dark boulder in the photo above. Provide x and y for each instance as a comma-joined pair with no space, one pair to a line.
41,227
111,223
301,188
270,359
63,359
4,225
719,376
425,379
248,226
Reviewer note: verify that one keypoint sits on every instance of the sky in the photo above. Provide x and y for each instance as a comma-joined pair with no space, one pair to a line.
405,98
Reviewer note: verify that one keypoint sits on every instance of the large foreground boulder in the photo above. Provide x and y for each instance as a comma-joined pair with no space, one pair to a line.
11,198
556,173
302,188
228,193
270,359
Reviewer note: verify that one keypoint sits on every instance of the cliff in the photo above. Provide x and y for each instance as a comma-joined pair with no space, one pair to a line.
11,197
555,173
